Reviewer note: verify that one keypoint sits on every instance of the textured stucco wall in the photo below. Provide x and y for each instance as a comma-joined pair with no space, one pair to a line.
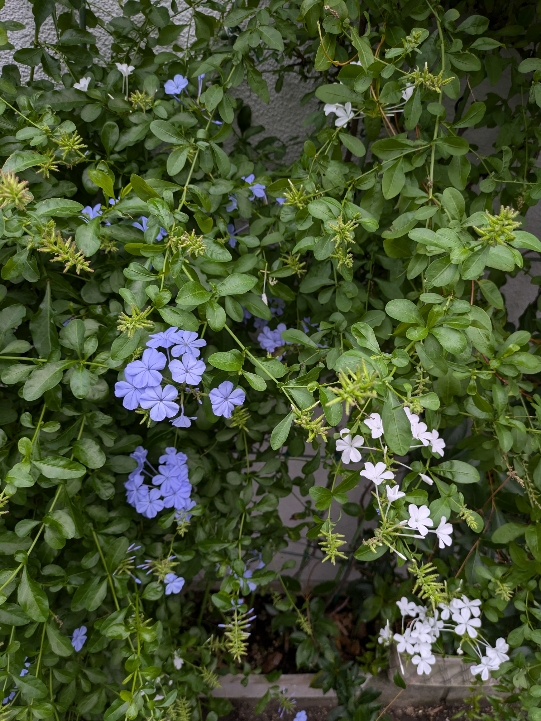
283,117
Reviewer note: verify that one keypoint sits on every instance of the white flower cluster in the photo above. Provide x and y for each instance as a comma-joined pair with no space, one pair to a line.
419,516
461,617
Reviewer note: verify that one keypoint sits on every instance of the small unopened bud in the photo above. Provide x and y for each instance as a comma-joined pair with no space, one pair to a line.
264,298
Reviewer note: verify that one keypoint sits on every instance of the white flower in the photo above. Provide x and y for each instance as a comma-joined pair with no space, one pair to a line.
499,653
445,611
443,532
484,668
424,663
178,662
343,113
408,92
466,607
348,446
419,518
467,626
404,642
375,424
407,608
377,473
433,439
422,632
426,479
82,84
394,493
125,69
385,635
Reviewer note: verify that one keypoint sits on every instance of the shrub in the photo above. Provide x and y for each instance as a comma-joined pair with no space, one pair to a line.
182,315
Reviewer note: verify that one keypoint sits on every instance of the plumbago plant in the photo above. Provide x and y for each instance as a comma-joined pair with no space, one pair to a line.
182,314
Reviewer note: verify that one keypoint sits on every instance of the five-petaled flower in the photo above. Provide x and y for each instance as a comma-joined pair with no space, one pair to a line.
348,446
176,85
419,518
224,398
186,341
160,402
173,584
343,113
443,532
187,370
377,473
375,424
394,493
124,69
146,372
78,638
83,84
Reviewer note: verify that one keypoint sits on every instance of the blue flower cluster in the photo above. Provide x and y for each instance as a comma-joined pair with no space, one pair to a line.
143,388
270,340
170,487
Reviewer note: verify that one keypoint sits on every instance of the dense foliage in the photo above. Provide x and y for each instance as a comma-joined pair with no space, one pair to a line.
182,315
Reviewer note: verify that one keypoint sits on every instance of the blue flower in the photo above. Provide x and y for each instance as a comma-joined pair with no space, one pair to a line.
232,205
173,584
78,639
183,421
165,339
91,212
171,478
280,201
172,457
270,340
258,190
129,392
187,342
146,372
150,503
187,370
143,225
175,86
160,402
134,489
178,498
9,697
301,716
200,79
140,454
225,398
232,240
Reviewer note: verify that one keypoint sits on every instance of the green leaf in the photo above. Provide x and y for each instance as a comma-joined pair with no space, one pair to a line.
179,318
212,97
474,25
255,381
508,532
365,553
354,145
90,595
103,181
472,116
11,614
404,311
257,83
336,93
215,315
362,46
281,432
297,336
176,161
31,688
333,413
59,468
271,37
396,426
117,710
523,239
365,336
322,497
236,284
58,208
167,132
452,340
142,189
393,180
453,202
43,379
454,145
457,472
87,237
230,361
88,451
60,644
21,160
193,293
32,598
43,327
